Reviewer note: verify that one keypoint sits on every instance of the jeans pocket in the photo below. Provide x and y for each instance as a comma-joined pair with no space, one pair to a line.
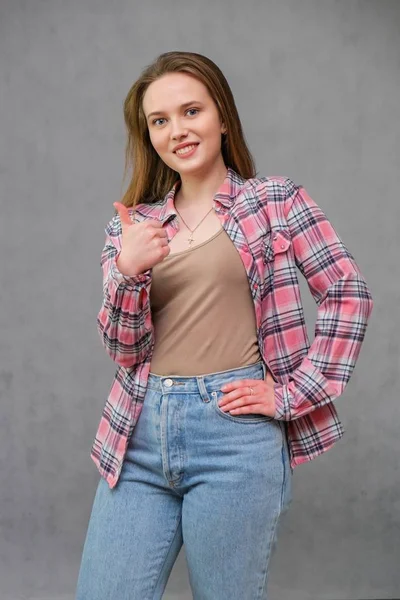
239,418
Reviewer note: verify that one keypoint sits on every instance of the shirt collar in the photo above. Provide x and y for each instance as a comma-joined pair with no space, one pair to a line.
225,195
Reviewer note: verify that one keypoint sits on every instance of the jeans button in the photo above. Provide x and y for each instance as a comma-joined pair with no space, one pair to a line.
168,382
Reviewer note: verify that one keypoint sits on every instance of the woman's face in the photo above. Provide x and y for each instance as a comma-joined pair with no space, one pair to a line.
185,113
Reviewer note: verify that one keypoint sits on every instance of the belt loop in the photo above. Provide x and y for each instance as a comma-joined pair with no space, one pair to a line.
202,388
264,368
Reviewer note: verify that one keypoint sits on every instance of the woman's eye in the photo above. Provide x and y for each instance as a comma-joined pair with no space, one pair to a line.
156,121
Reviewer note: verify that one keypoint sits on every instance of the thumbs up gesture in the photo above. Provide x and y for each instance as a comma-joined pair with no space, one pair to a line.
143,244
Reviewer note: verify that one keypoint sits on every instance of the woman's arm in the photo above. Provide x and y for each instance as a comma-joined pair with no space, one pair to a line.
124,320
344,306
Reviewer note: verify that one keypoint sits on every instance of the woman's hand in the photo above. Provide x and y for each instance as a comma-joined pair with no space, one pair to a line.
239,400
143,244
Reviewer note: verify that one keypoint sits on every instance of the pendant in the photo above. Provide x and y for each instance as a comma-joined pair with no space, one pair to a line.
190,240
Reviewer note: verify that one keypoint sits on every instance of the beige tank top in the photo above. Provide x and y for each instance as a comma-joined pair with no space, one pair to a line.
202,311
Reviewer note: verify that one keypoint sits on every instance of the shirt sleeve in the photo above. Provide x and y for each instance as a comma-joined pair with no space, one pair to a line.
344,305
124,320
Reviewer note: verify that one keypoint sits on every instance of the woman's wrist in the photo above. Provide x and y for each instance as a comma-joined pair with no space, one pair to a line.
125,267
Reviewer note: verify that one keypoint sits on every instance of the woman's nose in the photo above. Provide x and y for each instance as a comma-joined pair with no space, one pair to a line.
178,131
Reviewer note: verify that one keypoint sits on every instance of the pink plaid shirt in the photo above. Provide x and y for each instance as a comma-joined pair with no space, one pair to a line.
277,230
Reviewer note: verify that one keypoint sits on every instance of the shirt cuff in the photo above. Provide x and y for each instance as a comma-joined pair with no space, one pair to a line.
140,278
282,403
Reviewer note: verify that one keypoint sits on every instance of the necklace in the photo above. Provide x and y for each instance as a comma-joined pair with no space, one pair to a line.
191,239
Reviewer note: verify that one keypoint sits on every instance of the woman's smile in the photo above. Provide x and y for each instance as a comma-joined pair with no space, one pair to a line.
186,151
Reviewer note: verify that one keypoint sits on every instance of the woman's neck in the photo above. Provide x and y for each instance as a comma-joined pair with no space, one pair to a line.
199,191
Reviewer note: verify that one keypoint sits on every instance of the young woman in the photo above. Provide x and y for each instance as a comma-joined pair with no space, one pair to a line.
218,394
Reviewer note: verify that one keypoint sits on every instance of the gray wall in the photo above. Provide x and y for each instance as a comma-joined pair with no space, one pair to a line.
317,85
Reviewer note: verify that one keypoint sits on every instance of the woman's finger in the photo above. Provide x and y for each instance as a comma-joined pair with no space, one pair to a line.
241,383
123,213
242,391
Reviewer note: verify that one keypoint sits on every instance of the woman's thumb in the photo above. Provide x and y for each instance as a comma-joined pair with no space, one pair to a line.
123,213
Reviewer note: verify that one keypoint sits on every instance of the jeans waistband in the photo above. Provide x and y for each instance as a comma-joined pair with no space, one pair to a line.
177,384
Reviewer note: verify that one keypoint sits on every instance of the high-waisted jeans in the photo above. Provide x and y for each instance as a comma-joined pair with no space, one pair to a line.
192,474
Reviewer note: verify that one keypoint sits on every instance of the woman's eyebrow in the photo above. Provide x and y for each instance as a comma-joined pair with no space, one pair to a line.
160,112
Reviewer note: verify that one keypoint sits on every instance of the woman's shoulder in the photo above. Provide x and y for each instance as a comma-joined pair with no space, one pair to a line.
275,188
279,181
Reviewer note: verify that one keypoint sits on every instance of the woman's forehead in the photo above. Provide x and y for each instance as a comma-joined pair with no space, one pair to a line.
174,89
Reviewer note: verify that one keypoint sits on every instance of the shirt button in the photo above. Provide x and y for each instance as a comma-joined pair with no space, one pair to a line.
168,382
282,246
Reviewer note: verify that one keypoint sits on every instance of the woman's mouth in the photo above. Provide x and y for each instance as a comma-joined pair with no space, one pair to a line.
186,151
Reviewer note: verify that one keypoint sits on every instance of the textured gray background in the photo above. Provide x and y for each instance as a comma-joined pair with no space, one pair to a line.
317,85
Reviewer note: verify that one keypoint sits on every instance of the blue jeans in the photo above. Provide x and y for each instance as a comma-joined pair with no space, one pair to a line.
193,474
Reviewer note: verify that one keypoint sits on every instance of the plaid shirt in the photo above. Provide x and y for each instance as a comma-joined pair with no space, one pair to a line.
277,230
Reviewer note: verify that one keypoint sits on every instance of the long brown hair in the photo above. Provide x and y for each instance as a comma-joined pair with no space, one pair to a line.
151,178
